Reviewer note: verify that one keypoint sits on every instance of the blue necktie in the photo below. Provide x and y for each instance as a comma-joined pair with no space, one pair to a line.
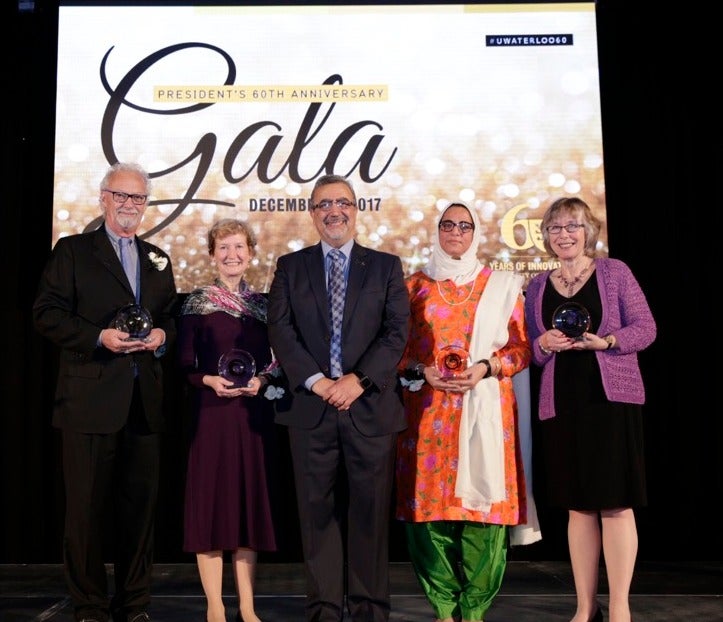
125,257
337,289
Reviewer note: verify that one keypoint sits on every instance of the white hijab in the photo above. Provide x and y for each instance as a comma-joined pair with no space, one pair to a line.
441,266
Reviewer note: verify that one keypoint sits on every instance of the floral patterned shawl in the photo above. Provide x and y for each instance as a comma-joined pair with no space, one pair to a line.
245,302
217,297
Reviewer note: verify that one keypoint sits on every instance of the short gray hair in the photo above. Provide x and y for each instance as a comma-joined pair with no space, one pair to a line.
130,167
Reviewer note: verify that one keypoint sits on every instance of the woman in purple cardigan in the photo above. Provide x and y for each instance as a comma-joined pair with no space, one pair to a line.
591,391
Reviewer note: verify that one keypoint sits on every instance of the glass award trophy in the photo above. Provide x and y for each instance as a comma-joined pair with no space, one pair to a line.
572,319
134,320
238,366
452,361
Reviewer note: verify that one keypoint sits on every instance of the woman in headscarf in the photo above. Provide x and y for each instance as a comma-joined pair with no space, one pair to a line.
460,472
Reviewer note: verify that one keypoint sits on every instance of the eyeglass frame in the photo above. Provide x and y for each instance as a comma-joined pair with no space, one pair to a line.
325,205
464,226
557,229
136,199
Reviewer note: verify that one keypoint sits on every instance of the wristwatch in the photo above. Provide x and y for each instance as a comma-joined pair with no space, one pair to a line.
363,379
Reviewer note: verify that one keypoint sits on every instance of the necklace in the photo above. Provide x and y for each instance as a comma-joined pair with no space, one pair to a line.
461,302
570,284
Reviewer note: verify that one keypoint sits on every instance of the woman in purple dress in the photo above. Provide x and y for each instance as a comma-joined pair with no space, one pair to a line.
230,482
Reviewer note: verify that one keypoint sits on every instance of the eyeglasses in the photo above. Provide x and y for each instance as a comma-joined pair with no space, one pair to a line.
570,228
326,204
449,225
122,197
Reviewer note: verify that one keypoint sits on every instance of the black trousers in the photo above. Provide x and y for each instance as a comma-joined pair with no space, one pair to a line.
111,487
347,532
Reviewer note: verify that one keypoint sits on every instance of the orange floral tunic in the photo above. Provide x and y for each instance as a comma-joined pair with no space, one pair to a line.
427,450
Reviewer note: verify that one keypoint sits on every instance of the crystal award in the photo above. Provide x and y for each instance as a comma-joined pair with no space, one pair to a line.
238,366
134,320
572,319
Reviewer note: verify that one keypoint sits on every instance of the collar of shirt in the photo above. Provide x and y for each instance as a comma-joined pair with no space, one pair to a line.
115,241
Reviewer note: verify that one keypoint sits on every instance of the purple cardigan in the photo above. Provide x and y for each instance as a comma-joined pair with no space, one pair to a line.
625,314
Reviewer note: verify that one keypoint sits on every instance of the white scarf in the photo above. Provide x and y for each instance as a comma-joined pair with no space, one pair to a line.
528,532
481,461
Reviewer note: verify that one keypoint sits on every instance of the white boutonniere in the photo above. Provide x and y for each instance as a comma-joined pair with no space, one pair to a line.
412,385
159,262
274,393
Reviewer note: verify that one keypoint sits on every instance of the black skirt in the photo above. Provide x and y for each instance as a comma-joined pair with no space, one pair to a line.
593,450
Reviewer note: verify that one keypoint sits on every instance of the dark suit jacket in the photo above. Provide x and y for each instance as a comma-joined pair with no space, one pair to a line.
81,289
374,334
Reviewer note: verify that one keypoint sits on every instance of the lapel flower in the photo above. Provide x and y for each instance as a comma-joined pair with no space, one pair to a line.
274,393
159,262
412,385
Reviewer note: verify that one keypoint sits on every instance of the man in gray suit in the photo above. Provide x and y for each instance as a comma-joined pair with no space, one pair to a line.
342,422
108,400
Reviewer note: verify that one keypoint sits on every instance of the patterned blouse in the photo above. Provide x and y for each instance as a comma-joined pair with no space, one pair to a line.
443,314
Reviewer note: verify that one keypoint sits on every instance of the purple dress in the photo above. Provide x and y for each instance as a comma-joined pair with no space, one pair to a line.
230,480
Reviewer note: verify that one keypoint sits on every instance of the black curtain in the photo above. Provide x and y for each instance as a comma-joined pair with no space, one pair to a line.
657,223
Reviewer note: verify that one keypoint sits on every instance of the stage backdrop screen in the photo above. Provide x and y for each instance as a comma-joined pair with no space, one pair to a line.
236,110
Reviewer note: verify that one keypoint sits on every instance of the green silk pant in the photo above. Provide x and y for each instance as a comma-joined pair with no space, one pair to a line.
460,565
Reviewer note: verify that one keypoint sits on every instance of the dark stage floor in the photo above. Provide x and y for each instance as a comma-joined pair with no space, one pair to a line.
533,591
